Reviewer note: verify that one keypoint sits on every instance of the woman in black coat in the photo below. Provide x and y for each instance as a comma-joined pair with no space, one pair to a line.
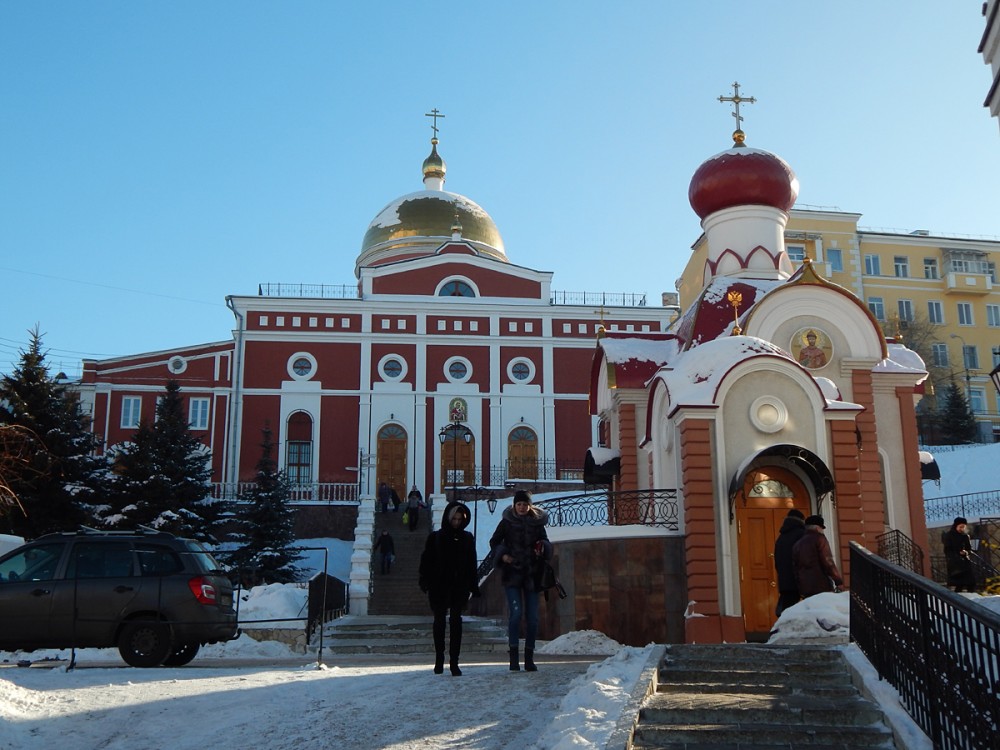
448,576
957,547
519,546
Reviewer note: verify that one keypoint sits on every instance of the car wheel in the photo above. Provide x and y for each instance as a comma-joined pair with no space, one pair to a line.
144,643
182,654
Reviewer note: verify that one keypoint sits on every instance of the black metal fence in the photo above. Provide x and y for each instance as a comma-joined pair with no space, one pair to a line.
898,548
971,505
937,649
643,507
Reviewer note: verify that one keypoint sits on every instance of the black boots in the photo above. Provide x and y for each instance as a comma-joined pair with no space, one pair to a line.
439,662
529,660
455,671
514,666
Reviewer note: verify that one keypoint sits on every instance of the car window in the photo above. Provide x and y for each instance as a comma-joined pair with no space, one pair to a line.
36,563
202,557
101,560
158,560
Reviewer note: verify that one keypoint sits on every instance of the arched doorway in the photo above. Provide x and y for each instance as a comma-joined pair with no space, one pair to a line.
458,457
768,493
522,454
391,458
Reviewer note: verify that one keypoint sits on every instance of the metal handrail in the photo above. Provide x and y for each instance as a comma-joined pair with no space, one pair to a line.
323,492
938,650
643,507
970,505
898,548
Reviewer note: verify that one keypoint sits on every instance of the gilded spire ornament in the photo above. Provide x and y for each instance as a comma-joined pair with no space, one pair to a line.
735,299
736,100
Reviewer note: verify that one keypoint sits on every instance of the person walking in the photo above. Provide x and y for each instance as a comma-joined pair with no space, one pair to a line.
414,502
448,576
815,570
384,495
792,529
387,547
957,547
519,546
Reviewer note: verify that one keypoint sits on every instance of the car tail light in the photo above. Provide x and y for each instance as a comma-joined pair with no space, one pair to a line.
203,591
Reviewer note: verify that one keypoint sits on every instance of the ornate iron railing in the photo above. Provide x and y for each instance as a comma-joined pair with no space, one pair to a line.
322,291
606,299
938,650
318,492
517,471
643,507
898,548
972,505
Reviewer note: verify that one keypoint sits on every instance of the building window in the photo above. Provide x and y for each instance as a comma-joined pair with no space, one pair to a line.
131,406
796,253
836,259
473,325
930,268
198,415
442,325
993,316
263,320
298,457
392,367
296,321
970,357
279,321
301,366
521,370
877,306
385,324
996,356
177,365
935,312
567,328
456,289
873,265
512,326
345,322
313,322
582,327
901,265
992,270
977,400
965,314
457,370
939,355
400,325
905,308
529,327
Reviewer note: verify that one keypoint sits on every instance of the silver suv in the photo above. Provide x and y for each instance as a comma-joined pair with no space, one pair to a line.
155,596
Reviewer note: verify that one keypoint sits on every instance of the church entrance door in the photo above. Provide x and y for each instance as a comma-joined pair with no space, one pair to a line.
769,492
391,462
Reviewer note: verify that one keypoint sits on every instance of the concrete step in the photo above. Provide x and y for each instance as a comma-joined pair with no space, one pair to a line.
798,708
708,737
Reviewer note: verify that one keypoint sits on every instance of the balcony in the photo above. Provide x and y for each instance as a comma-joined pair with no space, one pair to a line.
318,492
959,282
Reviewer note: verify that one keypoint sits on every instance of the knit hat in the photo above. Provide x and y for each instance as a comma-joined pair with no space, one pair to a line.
816,521
795,513
959,520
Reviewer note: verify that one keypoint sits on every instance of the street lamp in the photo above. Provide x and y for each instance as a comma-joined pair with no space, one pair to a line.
965,363
452,431
491,503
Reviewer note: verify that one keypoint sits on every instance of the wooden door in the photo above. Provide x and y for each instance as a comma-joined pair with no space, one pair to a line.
522,454
768,494
458,462
391,461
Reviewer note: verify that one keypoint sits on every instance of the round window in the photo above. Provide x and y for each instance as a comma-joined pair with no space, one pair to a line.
177,365
520,371
457,370
392,368
302,366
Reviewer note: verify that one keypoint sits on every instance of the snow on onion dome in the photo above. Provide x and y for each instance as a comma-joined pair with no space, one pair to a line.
742,176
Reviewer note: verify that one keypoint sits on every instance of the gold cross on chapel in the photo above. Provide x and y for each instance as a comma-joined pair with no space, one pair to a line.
736,101
435,114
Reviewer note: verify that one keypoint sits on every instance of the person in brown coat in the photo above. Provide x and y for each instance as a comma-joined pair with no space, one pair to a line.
815,569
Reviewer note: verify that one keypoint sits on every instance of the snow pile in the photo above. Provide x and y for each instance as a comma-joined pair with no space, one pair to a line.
587,642
590,710
266,606
821,616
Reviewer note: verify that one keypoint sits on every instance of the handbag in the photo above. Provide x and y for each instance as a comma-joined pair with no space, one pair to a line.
546,580
406,517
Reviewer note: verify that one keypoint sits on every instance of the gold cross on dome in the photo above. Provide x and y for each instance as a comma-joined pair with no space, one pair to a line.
736,100
435,114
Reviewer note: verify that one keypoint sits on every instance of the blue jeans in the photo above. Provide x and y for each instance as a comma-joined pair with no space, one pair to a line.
518,600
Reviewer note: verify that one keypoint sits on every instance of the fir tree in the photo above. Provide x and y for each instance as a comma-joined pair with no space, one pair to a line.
265,525
56,477
958,423
163,476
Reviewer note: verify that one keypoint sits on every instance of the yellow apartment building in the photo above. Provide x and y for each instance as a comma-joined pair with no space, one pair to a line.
939,294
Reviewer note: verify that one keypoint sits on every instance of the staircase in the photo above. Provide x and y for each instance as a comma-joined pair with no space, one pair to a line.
754,695
398,593
408,635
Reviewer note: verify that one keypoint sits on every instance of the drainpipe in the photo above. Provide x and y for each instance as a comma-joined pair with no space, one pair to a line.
234,406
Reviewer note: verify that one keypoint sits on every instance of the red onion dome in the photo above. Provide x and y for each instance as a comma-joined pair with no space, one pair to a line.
742,176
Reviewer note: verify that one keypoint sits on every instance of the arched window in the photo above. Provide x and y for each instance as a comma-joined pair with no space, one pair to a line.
299,448
456,289
522,454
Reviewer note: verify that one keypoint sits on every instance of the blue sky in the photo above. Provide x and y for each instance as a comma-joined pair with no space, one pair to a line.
155,157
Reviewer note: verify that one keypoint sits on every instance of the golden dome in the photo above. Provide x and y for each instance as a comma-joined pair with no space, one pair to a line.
427,217
434,165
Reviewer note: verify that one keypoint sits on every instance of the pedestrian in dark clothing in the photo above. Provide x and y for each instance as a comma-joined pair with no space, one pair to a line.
414,502
394,497
448,576
387,547
815,569
384,495
519,546
792,529
957,547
